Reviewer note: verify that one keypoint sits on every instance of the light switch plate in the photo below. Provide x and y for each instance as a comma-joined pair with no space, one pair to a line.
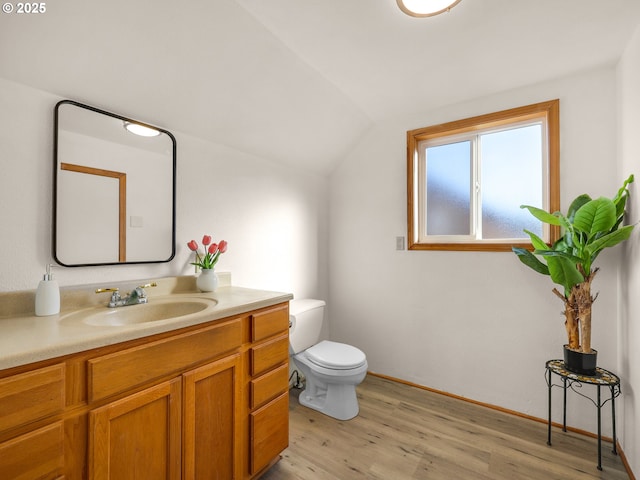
135,221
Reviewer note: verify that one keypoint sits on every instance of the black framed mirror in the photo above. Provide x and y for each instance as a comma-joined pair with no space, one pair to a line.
114,188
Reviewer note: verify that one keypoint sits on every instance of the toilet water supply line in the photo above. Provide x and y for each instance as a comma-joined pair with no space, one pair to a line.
298,384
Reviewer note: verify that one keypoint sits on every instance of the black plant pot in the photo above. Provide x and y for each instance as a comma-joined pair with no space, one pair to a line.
578,362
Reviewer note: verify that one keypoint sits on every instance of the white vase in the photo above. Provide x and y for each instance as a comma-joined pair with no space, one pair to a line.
207,281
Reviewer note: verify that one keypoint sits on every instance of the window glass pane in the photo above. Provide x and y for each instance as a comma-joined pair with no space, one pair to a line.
511,172
448,189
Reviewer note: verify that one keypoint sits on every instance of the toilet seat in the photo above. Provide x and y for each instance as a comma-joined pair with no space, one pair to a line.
337,356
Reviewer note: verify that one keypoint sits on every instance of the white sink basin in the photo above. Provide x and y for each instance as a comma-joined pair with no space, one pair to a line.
154,311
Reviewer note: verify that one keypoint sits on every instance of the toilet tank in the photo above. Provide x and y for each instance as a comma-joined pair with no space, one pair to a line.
306,317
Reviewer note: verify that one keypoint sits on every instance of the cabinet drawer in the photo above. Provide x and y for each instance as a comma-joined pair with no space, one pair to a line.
124,370
269,385
269,354
38,454
269,432
30,396
270,322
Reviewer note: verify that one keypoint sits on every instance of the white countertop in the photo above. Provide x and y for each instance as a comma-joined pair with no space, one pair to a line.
26,338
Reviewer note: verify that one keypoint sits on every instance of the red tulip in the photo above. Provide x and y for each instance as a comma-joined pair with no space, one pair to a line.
223,246
206,240
193,246
213,248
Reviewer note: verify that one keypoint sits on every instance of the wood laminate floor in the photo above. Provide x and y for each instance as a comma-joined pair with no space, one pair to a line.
404,432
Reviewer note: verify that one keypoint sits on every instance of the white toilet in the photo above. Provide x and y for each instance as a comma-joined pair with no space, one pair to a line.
332,370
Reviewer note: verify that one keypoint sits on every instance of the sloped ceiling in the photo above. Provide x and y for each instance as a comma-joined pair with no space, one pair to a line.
299,81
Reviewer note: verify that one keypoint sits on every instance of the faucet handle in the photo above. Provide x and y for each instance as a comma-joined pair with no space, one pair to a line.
102,290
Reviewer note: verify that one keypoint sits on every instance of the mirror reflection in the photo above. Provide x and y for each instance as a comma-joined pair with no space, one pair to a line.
114,189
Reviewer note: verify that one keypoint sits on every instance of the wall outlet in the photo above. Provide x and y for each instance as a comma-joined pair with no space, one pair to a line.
399,243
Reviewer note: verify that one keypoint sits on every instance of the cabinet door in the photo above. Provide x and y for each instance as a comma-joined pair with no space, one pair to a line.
269,432
138,436
212,421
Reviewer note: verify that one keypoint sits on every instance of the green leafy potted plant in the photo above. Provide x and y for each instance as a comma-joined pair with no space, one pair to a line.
589,227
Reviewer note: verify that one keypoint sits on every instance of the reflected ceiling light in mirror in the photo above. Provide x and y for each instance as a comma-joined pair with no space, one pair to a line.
141,130
426,8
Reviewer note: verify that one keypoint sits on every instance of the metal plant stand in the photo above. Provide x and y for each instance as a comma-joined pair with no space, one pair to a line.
574,381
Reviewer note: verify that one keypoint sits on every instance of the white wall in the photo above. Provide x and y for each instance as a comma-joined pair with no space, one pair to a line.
273,217
480,325
629,329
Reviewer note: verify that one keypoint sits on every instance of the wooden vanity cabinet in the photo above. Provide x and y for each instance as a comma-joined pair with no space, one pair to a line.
203,402
184,422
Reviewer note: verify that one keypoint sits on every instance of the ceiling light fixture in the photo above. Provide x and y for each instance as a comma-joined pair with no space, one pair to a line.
141,130
426,8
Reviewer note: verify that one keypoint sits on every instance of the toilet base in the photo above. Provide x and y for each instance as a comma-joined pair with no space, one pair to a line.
342,404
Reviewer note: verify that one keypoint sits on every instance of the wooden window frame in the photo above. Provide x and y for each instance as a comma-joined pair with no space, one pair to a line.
549,111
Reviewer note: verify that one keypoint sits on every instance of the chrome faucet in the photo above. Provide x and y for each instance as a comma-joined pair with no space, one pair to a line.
136,297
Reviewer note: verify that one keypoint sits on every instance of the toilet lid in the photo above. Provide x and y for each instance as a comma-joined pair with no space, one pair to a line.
336,355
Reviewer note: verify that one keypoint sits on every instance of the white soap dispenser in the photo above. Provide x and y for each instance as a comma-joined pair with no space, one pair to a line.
47,295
